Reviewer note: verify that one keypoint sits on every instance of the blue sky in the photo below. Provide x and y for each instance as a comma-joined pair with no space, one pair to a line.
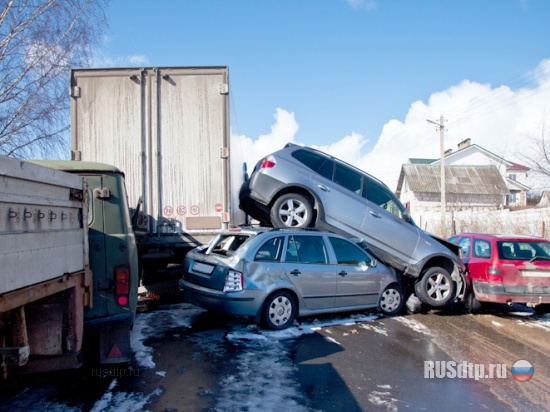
357,78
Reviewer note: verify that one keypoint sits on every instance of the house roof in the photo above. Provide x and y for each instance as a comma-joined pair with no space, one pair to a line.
518,167
418,161
510,166
484,180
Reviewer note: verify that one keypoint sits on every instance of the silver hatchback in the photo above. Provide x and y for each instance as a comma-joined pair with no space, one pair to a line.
300,187
275,275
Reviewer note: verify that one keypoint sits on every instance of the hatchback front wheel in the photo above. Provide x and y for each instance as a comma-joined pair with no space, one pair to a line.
391,300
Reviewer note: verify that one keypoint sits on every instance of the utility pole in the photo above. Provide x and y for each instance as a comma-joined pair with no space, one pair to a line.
441,126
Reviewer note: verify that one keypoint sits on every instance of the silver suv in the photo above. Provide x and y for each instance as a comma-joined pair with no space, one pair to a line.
300,187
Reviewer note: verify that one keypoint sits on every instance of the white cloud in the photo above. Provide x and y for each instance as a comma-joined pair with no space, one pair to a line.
282,132
499,119
102,60
362,4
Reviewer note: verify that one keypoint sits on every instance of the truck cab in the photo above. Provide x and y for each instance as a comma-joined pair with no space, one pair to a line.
113,260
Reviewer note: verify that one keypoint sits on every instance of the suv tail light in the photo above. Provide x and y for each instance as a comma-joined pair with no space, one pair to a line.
233,281
122,285
268,162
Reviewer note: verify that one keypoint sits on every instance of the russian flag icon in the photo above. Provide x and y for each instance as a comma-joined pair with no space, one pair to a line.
522,370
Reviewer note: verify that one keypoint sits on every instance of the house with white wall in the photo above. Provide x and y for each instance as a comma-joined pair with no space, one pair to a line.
468,154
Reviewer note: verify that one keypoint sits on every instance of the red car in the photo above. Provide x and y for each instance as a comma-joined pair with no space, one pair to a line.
506,269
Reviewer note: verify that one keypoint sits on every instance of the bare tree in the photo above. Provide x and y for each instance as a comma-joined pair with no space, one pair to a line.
40,40
535,154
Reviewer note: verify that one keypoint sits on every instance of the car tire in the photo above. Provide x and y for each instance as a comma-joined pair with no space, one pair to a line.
471,303
291,210
279,311
391,300
435,288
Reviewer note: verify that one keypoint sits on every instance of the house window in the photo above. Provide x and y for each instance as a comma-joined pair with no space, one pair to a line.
513,177
512,198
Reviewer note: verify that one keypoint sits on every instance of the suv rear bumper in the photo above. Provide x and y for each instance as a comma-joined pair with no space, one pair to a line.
498,293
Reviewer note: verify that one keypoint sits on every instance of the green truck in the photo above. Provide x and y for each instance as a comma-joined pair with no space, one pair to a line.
69,268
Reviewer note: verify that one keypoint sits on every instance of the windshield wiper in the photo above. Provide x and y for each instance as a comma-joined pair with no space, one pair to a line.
539,258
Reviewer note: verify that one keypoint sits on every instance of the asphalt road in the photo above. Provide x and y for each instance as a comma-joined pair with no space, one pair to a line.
352,362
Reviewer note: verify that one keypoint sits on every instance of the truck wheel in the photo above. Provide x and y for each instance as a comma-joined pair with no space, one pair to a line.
471,303
391,300
291,210
435,288
279,311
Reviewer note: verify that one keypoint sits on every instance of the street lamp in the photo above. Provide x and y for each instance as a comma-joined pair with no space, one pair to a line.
441,126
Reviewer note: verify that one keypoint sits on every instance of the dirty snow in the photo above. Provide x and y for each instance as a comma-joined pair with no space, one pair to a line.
414,325
543,322
263,376
155,324
383,398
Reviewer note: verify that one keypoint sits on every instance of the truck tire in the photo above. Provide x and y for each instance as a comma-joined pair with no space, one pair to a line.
435,287
291,210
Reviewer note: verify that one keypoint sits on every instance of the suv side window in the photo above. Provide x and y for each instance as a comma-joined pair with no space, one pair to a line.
482,248
464,243
316,162
348,178
383,197
348,254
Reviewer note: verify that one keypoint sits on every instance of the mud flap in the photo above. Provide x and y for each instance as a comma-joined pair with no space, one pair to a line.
114,346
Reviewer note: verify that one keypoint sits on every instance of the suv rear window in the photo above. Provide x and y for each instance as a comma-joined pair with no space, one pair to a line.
509,250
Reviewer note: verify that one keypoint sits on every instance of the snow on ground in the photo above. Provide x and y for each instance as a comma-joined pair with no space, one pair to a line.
156,323
542,322
262,373
414,325
121,401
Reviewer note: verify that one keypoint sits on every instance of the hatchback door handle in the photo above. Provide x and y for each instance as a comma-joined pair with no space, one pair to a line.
375,214
343,273
295,272
323,188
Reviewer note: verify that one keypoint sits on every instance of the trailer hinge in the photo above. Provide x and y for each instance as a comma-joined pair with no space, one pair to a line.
224,88
224,152
75,92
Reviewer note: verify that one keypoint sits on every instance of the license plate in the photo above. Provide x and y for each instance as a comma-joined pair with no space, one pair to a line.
202,268
535,273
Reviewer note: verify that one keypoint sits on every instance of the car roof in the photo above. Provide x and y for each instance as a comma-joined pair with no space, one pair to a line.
256,230
502,237
311,149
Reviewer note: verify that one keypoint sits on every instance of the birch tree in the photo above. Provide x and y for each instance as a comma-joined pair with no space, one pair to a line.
40,40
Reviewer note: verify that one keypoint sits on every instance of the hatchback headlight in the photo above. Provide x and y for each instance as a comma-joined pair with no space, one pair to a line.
233,281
